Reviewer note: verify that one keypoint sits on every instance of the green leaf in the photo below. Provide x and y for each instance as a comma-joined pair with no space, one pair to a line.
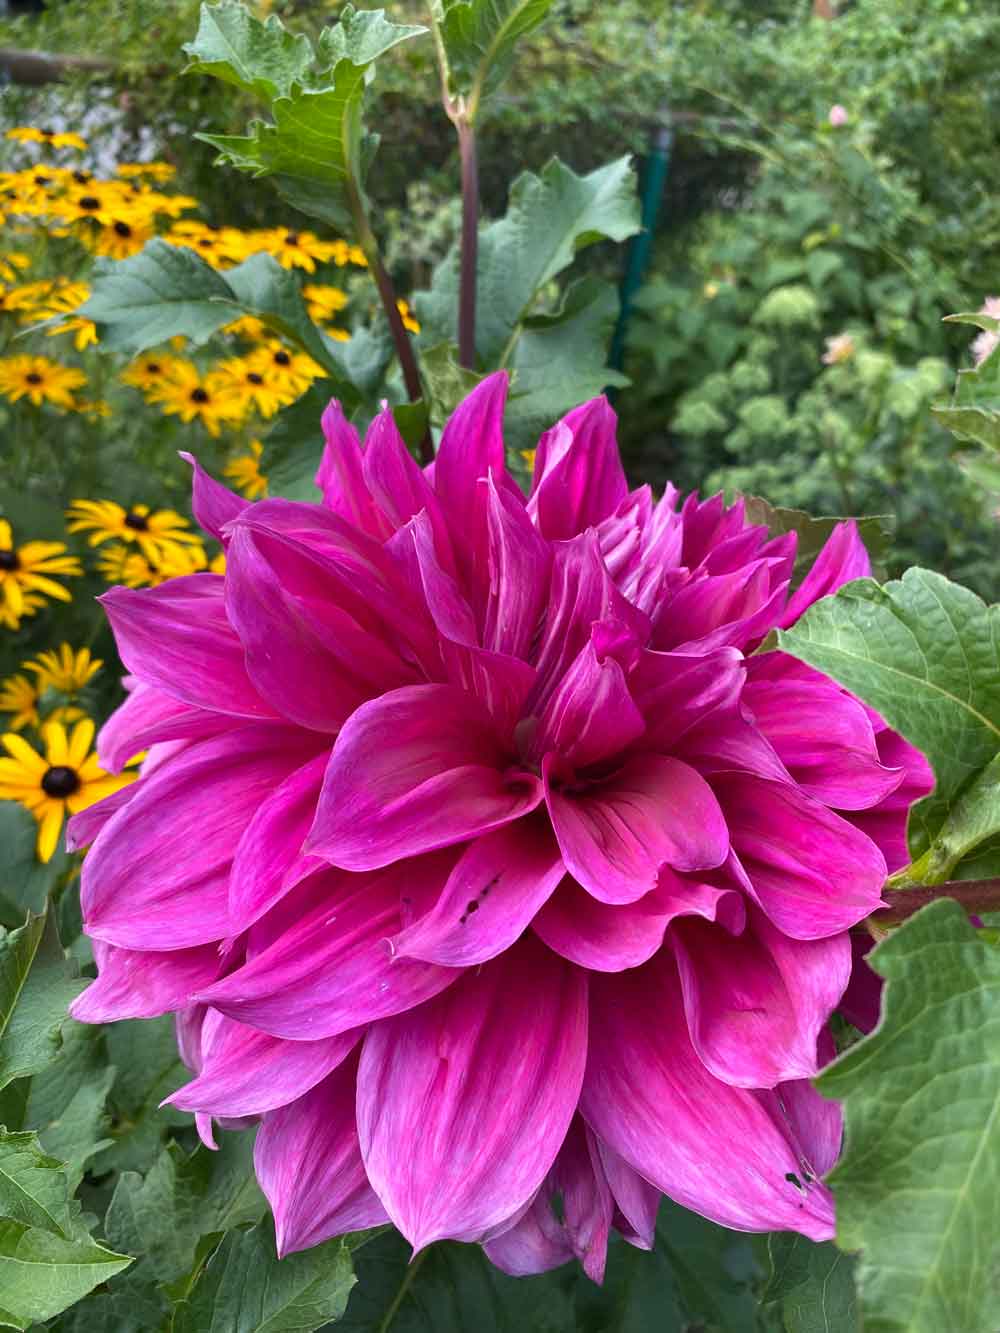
876,531
25,882
918,1185
294,446
144,1053
974,411
245,1288
160,293
317,149
36,987
234,46
33,1186
42,1273
925,653
480,37
549,218
182,1198
128,1307
813,1285
445,381
559,361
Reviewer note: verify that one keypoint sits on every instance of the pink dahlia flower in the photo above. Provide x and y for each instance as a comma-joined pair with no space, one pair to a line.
480,858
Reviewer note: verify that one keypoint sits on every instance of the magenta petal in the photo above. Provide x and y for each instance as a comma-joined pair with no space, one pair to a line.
83,828
398,485
610,938
579,479
331,968
416,769
616,835
158,874
213,504
815,1123
757,1004
341,475
308,1163
148,717
497,886
177,637
812,872
139,984
676,691
471,447
519,568
710,1147
464,1102
842,559
590,715
267,855
536,1243
637,1201
588,1204
246,1072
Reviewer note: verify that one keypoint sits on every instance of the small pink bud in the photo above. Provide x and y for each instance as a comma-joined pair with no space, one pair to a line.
837,115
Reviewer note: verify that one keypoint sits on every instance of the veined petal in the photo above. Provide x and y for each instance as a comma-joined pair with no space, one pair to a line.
578,479
84,827
418,768
615,835
520,564
638,1202
147,717
135,983
178,638
611,937
591,714
212,504
498,884
308,1163
677,691
842,559
399,486
341,475
756,1004
464,1102
535,1243
646,1092
331,967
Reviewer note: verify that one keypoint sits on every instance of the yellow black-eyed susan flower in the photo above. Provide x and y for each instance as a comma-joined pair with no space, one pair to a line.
19,697
155,533
40,380
245,474
194,397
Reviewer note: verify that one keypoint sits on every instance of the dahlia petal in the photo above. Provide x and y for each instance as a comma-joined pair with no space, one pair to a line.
886,823
398,485
645,1094
653,811
578,479
417,769
637,1201
499,883
842,559
471,447
861,1002
814,1123
757,1004
464,1103
591,714
825,740
332,967
519,569
267,860
588,1204
149,716
212,504
246,1072
158,873
341,475
178,638
610,938
676,691
812,872
536,1243
84,827
309,1166
722,610
140,984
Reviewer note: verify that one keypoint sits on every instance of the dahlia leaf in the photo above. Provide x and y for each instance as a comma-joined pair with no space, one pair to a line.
144,1053
445,381
559,360
293,448
918,1186
182,1198
37,984
876,531
25,881
263,58
550,217
34,1189
480,37
42,1272
925,653
245,1288
813,1285
127,1307
974,411
362,36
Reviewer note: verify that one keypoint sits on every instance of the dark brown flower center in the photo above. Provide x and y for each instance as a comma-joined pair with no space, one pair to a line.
89,203
282,359
292,238
199,396
153,367
33,377
137,522
254,378
123,229
60,781
9,560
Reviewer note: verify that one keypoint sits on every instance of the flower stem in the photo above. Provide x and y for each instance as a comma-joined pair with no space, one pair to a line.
470,243
975,895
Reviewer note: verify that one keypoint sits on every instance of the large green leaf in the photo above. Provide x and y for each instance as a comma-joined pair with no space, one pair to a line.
182,1198
925,653
33,1186
480,37
812,1286
262,58
974,411
549,218
144,1053
42,1273
918,1186
36,987
559,361
876,531
245,1288
25,881
316,149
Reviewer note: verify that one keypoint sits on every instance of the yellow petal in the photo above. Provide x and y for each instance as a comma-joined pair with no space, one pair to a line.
30,759
56,744
80,742
49,830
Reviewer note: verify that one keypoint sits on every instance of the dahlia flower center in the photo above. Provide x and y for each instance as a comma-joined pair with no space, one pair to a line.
137,522
60,781
9,560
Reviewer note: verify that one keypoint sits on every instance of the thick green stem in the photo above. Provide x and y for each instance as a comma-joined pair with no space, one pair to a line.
470,244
